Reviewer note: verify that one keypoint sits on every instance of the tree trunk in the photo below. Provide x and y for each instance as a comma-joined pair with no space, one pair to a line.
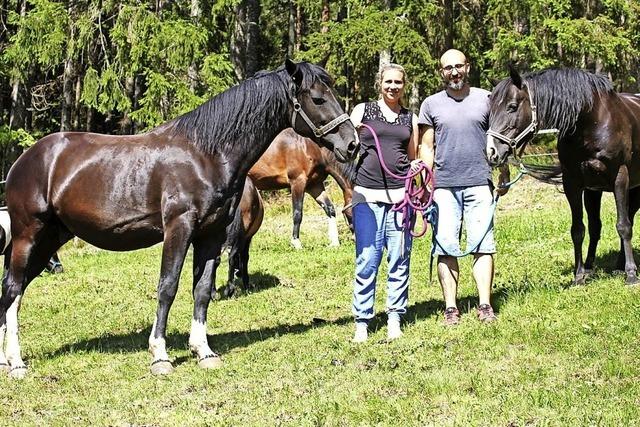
238,41
298,28
17,117
291,39
253,38
77,109
326,16
68,95
448,24
196,15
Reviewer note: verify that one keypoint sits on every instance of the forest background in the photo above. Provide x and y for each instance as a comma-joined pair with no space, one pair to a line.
122,67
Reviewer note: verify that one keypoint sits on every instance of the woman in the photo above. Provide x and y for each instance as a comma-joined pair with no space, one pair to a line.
376,225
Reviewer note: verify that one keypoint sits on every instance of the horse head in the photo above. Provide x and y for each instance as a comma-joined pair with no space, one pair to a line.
317,114
512,119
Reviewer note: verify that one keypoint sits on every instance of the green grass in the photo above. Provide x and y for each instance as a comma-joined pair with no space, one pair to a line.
558,355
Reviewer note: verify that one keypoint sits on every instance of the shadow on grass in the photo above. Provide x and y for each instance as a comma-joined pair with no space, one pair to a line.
259,281
606,263
225,342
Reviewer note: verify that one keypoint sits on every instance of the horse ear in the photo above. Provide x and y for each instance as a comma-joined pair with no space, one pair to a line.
294,71
515,76
494,82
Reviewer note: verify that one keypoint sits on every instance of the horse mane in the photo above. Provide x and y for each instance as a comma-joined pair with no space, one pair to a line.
561,94
238,115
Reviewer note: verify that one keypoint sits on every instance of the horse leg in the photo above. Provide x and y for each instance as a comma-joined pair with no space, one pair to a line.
319,193
623,224
574,196
634,205
234,267
177,236
54,266
243,257
29,255
205,255
297,199
592,203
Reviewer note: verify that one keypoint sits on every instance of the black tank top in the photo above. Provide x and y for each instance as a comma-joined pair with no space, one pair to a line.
394,140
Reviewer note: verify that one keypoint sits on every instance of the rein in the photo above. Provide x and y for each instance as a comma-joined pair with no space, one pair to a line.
317,131
413,192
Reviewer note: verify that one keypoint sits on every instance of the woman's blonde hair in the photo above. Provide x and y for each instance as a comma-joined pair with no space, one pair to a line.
386,67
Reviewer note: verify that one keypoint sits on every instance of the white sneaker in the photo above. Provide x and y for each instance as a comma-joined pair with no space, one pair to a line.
361,333
393,329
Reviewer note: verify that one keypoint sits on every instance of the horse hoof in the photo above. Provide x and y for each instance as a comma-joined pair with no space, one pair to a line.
229,291
296,244
4,367
18,372
161,367
580,281
212,361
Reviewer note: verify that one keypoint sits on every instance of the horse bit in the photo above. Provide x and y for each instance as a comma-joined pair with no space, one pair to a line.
317,131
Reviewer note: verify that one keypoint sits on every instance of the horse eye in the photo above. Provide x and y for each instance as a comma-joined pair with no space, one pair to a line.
318,101
512,107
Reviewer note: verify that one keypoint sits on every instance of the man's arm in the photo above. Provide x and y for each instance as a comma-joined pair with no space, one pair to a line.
426,142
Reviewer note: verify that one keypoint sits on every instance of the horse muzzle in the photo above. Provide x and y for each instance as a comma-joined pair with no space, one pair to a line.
496,151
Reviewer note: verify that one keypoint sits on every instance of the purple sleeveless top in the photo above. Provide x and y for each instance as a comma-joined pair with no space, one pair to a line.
394,141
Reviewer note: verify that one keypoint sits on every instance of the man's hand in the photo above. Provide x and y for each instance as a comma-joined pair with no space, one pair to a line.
503,178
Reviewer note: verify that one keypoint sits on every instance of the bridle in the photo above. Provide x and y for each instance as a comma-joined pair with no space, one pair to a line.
517,142
317,131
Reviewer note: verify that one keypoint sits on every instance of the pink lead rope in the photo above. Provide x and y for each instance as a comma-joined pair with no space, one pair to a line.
413,193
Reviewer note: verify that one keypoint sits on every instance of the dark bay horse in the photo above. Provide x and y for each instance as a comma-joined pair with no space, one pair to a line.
245,225
295,162
598,147
179,184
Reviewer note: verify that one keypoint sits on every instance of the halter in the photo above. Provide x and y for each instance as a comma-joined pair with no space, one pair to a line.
317,131
516,143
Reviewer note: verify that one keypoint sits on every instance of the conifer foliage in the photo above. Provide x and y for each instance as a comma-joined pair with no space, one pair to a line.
124,66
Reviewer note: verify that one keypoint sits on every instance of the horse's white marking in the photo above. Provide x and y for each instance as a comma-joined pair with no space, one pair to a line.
296,243
157,346
3,358
198,339
491,146
334,240
13,343
5,223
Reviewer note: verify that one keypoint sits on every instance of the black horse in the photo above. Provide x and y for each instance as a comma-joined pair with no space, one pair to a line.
178,184
598,147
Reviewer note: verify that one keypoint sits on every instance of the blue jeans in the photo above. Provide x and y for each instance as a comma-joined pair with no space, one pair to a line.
376,228
475,205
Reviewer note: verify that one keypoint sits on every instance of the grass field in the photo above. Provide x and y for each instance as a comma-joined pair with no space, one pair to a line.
558,355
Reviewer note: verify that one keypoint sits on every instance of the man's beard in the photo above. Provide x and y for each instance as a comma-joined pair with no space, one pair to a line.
456,86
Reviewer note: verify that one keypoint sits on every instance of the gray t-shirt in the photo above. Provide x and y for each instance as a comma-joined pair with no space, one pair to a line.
460,137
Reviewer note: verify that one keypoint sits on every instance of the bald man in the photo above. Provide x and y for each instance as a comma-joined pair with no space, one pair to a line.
453,124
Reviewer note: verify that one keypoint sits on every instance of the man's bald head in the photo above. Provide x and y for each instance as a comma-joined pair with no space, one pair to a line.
452,57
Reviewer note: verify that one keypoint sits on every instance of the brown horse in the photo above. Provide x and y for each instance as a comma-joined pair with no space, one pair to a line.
178,184
295,162
598,147
245,225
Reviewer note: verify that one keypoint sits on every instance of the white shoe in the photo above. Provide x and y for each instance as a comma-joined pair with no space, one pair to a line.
393,329
361,333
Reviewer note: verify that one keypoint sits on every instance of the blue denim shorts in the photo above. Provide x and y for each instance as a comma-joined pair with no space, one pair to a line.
474,206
